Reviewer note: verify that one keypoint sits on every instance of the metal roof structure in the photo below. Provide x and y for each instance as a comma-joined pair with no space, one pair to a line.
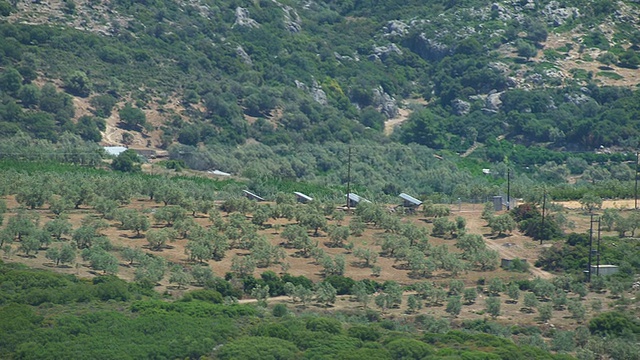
410,200
302,197
114,150
252,196
218,172
354,198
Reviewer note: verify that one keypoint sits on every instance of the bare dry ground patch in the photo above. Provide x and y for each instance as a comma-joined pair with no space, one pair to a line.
512,246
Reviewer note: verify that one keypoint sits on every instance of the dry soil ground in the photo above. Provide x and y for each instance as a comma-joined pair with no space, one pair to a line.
515,245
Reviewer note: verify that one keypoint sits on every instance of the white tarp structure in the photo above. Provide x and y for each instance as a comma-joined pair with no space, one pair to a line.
115,150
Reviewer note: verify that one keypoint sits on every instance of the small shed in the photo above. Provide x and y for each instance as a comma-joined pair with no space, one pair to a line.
497,203
354,199
604,270
302,198
409,201
252,196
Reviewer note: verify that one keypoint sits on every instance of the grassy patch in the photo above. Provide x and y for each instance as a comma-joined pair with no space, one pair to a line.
580,74
565,48
610,74
552,55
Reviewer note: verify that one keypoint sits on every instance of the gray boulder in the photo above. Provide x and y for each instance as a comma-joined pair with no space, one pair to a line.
319,95
243,55
243,19
460,107
530,5
385,103
577,99
430,49
503,13
493,101
300,85
396,28
315,91
292,20
557,15
382,52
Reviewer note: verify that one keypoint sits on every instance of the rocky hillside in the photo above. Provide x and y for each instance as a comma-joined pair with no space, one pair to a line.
277,72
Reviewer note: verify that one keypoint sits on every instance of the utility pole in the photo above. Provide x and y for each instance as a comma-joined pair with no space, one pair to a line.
590,248
598,250
635,191
591,244
508,189
349,180
544,203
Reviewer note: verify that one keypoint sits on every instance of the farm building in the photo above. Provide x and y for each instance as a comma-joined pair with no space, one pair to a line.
252,196
497,203
218,173
302,198
115,150
354,199
409,201
604,270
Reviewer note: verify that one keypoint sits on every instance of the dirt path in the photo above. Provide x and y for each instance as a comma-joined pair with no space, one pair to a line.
471,149
390,125
508,254
112,134
277,299
510,247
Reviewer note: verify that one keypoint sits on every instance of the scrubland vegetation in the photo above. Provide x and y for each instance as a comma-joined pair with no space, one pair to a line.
109,257
189,248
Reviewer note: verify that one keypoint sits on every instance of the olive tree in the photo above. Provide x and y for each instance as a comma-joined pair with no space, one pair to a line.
151,270
243,266
158,238
326,293
261,293
470,295
338,235
493,306
180,276
361,293
61,255
369,256
454,306
58,227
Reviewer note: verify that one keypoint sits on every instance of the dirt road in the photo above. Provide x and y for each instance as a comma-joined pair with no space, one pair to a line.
511,247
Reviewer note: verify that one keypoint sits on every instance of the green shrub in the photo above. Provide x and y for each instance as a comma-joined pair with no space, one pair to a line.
364,333
409,349
112,288
280,310
614,323
341,283
274,330
518,265
329,325
193,308
211,296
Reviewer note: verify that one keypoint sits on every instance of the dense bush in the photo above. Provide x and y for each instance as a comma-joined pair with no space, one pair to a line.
211,296
615,324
